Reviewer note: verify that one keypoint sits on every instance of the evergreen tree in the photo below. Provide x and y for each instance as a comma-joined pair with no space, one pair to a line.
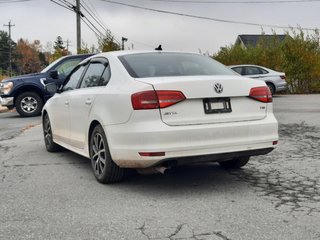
59,49
58,44
4,51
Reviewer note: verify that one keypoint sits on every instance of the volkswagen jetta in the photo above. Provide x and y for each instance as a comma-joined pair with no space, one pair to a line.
152,110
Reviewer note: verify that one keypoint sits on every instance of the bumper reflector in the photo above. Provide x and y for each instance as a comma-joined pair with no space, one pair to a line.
152,154
274,142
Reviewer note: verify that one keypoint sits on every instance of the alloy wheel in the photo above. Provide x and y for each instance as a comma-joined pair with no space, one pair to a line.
47,131
98,154
29,104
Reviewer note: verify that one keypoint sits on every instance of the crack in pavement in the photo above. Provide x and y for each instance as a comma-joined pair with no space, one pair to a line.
178,229
42,164
188,233
277,175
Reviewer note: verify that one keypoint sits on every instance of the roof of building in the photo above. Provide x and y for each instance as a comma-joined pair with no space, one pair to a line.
252,40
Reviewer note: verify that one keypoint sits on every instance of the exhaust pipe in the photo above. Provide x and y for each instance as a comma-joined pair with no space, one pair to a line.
161,169
152,170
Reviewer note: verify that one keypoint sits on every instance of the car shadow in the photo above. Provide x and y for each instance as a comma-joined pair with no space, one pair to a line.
196,178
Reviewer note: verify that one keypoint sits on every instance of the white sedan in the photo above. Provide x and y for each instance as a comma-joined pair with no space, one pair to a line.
276,81
153,110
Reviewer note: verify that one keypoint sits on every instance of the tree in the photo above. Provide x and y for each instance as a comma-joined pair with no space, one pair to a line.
298,56
108,44
59,49
85,49
27,56
58,44
4,51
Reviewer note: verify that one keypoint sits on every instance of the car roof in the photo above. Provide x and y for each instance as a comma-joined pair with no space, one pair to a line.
245,65
131,52
78,56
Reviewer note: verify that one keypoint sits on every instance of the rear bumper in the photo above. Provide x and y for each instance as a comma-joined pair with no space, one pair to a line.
220,156
219,140
7,101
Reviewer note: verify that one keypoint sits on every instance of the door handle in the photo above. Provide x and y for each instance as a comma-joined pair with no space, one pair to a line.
66,103
88,101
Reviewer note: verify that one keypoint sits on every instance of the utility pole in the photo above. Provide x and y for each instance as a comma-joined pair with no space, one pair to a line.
10,50
78,12
68,44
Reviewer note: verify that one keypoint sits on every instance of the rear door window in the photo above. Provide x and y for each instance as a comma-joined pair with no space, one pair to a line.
238,70
252,70
262,71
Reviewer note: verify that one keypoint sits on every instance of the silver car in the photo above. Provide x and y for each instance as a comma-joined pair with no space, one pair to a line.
276,81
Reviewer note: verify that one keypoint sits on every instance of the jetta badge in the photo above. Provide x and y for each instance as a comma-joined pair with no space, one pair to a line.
218,87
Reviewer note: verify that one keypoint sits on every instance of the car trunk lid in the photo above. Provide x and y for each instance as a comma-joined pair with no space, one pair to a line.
209,99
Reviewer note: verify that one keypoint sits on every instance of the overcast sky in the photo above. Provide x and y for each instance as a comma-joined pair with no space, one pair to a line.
43,20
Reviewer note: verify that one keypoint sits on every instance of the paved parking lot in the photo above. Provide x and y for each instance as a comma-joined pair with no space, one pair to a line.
55,196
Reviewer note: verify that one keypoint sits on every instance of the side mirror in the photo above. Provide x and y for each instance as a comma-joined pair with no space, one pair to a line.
51,88
54,74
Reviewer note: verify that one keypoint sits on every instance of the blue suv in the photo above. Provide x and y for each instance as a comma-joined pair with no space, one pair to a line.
27,92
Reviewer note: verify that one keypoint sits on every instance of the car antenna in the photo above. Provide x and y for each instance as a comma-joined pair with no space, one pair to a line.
159,48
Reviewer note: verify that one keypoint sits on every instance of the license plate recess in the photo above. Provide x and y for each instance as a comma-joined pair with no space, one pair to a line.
217,105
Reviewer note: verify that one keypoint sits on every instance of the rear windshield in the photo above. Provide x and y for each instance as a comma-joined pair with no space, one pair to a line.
146,65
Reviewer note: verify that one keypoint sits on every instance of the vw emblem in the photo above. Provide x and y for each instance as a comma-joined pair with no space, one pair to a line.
218,87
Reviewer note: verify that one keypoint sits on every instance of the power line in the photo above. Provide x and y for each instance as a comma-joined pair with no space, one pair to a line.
97,34
66,3
93,26
69,6
62,5
237,2
90,12
206,18
108,34
96,12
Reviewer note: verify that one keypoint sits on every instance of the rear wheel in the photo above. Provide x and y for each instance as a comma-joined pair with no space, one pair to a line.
272,88
235,163
104,169
29,104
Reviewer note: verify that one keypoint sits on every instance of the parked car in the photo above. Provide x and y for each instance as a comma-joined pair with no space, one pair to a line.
27,92
276,81
152,110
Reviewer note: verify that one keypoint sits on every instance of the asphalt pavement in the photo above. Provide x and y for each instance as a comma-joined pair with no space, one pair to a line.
55,195
12,124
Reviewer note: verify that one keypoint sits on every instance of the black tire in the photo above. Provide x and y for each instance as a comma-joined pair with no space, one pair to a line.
29,104
235,163
47,134
104,168
272,88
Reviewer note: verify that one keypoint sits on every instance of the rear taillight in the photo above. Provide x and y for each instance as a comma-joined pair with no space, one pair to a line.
283,77
262,94
156,99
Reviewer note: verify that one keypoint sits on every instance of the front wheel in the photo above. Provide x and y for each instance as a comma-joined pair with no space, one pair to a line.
235,163
29,104
104,169
47,134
